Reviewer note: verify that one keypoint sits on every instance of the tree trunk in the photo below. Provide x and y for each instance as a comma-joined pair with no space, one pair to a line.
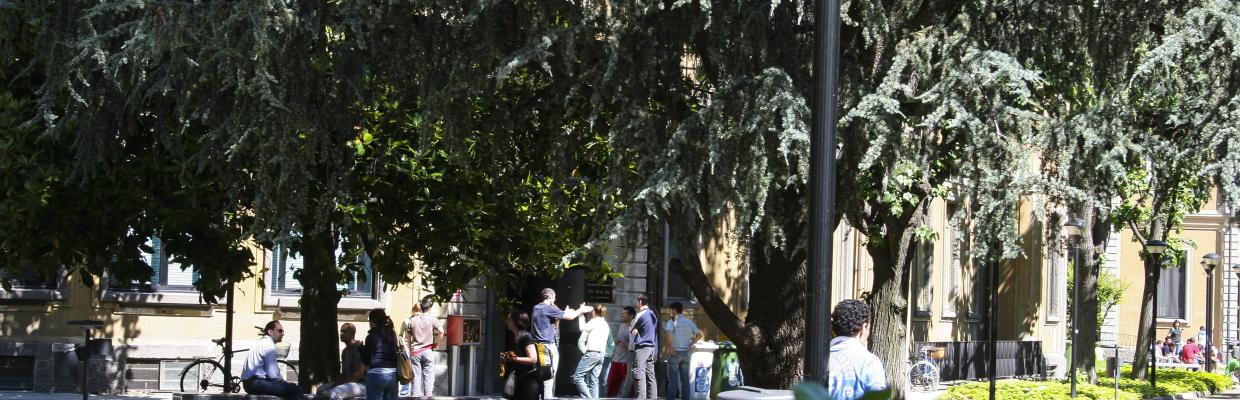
1144,339
319,360
771,339
889,301
1099,232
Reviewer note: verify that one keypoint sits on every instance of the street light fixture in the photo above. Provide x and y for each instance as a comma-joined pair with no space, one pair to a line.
1156,248
1074,229
1208,263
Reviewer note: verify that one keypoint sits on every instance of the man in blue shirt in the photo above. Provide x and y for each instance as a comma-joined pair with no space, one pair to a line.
545,319
645,348
854,370
681,334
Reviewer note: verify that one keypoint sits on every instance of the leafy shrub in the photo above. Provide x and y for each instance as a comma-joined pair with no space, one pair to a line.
1029,390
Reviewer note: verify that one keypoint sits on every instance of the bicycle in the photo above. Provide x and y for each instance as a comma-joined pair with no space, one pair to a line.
923,376
204,375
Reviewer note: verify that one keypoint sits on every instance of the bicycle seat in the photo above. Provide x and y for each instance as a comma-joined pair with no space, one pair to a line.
219,342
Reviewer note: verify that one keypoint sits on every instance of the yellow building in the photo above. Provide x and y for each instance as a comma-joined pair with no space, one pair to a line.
1182,289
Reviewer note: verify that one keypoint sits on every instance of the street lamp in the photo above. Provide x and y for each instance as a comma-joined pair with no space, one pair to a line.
1156,248
1074,229
1208,263
1235,268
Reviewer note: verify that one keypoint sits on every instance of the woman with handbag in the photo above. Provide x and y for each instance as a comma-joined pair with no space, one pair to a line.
380,354
522,380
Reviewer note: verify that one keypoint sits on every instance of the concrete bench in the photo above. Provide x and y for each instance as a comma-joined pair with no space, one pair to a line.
1183,366
225,396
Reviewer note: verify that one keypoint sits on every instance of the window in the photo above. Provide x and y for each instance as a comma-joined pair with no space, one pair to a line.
1172,290
921,264
677,289
285,265
954,261
29,279
165,274
981,288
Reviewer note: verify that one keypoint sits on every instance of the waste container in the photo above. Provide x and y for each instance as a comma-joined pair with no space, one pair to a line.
747,393
700,365
725,369
1112,366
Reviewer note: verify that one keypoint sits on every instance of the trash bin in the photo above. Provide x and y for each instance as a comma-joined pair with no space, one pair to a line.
746,393
725,369
700,365
1112,366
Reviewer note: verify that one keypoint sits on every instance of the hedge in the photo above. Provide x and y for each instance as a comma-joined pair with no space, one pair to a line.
1169,382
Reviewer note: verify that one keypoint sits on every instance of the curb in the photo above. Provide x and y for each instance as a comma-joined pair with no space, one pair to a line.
1186,395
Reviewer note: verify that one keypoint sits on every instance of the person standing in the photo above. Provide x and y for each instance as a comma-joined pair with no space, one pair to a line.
379,354
645,348
854,370
546,318
421,331
680,333
352,370
595,335
1177,334
619,380
260,375
522,362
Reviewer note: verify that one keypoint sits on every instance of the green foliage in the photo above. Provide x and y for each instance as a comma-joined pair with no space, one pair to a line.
1044,390
1111,290
1170,382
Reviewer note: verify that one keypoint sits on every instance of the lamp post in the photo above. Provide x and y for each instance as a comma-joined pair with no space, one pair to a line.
822,187
1208,263
1155,248
1073,229
1235,268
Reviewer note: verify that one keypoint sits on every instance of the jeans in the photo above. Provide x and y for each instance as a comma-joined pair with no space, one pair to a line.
381,384
423,374
678,385
603,376
272,387
349,390
643,373
549,385
586,376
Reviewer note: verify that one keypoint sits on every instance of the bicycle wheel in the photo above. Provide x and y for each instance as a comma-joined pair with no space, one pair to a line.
203,376
288,369
923,377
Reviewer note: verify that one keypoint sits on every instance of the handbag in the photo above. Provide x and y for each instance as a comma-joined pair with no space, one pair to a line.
510,385
404,367
544,361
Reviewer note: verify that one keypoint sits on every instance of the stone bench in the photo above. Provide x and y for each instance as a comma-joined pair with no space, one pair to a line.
222,396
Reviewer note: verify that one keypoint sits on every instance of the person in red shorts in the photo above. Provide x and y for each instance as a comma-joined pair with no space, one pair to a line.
619,381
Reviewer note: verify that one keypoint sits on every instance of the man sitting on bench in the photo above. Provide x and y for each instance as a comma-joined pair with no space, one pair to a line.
260,374
349,384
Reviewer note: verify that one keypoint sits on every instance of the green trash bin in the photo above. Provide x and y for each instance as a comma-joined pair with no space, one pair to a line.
725,370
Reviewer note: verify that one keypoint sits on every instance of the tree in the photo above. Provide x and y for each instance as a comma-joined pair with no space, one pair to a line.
301,123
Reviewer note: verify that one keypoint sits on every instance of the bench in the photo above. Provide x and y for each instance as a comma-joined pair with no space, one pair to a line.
221,396
1178,366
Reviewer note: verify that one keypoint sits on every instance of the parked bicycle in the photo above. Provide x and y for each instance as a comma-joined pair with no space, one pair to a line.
205,375
923,376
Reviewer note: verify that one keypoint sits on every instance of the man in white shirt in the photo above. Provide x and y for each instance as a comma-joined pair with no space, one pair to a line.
595,335
260,374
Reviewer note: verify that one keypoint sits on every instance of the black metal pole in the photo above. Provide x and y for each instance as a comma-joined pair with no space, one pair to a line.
994,322
228,337
1076,306
822,188
1154,325
1209,320
85,359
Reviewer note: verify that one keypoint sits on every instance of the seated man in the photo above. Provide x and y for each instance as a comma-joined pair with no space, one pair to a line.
349,384
1188,355
1166,351
260,373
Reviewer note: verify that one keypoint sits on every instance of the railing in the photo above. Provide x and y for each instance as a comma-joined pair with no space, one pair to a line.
1126,340
971,360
